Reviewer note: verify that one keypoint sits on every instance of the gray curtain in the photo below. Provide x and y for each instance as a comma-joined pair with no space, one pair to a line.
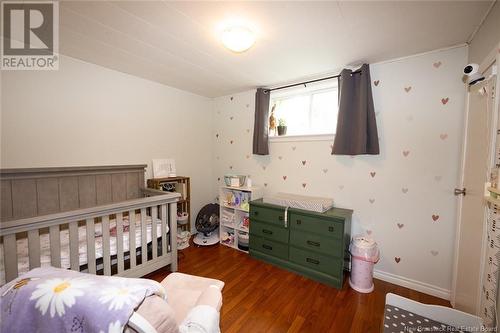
356,125
261,124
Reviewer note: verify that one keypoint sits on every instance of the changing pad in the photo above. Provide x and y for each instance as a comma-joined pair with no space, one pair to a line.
315,204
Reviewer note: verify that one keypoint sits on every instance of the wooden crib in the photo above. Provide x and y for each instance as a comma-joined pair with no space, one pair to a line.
99,220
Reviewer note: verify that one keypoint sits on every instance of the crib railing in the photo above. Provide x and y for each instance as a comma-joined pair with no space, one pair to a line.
157,207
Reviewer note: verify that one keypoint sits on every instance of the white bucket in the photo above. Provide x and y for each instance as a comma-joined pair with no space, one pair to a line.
364,255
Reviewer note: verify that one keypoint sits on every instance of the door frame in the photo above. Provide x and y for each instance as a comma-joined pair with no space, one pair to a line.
492,58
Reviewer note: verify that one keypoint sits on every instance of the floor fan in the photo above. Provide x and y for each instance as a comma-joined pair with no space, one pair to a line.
207,225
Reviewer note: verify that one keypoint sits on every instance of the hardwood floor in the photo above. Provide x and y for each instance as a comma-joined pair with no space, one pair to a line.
259,297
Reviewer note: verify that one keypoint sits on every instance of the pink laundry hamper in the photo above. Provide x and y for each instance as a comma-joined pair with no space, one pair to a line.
364,255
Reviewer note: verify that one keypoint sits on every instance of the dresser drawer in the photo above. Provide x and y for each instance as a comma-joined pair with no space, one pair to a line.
269,215
319,262
269,247
269,231
328,228
328,245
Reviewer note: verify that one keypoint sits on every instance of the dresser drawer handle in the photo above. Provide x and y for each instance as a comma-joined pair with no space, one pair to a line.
309,242
299,222
331,229
280,218
267,247
312,261
265,231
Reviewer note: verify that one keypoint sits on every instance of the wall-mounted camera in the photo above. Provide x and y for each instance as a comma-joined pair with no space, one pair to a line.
473,74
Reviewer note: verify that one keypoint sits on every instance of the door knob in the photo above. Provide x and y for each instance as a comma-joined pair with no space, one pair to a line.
460,191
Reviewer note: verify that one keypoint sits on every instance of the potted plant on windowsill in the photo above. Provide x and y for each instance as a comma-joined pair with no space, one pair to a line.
281,126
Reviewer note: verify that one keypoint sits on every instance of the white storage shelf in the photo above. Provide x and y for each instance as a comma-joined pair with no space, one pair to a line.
234,214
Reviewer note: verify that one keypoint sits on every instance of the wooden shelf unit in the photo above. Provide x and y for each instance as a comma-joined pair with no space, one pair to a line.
184,204
239,213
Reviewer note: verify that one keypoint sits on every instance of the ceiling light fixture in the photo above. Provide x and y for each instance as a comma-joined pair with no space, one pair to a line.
238,38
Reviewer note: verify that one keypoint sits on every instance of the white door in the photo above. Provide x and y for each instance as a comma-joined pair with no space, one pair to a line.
471,229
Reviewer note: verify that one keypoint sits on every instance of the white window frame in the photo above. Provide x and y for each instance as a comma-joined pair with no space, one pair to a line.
293,92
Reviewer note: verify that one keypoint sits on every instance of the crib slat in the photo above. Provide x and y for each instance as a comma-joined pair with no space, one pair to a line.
131,237
10,257
55,246
144,238
119,241
106,260
74,259
91,246
154,237
164,249
34,248
173,234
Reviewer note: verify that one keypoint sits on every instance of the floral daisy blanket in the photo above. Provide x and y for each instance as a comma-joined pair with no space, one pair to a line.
59,300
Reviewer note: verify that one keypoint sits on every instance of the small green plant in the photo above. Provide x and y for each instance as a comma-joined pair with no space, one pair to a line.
281,122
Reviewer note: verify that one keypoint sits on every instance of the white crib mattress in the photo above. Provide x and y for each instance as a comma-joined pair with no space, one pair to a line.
22,244
315,204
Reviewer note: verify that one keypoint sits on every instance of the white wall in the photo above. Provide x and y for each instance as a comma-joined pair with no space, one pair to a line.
84,114
487,37
406,190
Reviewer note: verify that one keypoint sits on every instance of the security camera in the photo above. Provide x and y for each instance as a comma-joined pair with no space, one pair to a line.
472,73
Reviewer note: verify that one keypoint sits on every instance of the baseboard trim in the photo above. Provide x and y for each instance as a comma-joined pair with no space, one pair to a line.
413,284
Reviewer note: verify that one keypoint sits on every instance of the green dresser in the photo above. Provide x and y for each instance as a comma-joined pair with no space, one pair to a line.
309,243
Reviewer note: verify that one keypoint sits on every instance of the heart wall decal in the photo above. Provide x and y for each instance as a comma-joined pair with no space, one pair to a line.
406,153
435,217
434,253
376,82
400,225
404,190
437,64
371,200
407,89
284,177
304,162
373,173
397,259
304,185
443,136
444,101
369,232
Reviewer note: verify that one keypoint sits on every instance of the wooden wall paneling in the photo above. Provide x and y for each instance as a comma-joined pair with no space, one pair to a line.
47,196
119,187
68,193
104,189
87,191
6,199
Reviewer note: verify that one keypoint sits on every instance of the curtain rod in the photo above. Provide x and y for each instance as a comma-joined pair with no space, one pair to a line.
311,81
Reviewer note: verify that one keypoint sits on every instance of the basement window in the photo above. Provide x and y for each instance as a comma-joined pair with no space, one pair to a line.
309,113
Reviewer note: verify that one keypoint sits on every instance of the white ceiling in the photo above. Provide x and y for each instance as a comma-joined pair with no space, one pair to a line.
175,43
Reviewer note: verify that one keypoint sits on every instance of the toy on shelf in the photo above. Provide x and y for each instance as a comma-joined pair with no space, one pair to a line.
236,199
227,237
